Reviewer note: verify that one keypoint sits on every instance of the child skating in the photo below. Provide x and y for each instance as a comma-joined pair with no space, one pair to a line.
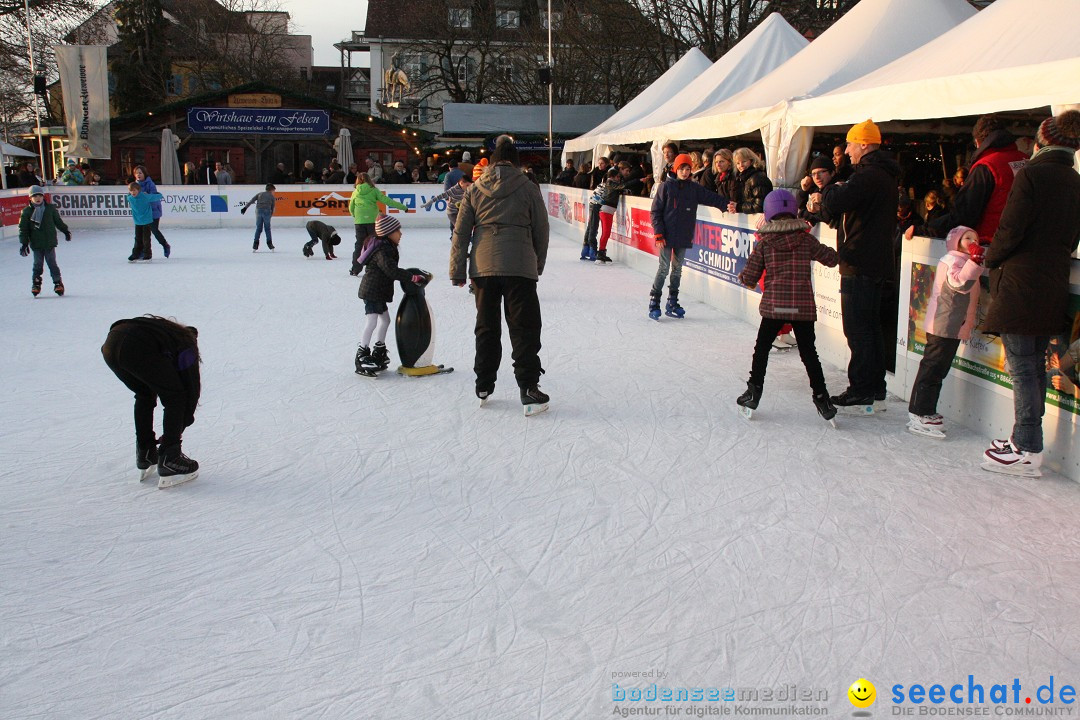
785,253
950,318
142,213
453,200
379,258
37,232
674,214
320,232
609,191
364,208
264,203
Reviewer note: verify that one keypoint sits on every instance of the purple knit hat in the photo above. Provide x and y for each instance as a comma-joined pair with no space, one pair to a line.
780,201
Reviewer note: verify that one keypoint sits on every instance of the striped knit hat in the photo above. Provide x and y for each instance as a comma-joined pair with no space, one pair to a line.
479,168
1063,130
386,224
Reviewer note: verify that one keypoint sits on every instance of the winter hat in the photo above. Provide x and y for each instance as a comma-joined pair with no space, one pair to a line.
680,160
952,240
778,202
822,162
386,224
466,156
35,190
479,168
865,133
1063,130
335,239
71,162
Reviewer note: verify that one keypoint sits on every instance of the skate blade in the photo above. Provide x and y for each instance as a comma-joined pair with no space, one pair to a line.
832,422
746,412
1014,470
922,432
855,410
173,480
880,406
367,373
535,409
145,475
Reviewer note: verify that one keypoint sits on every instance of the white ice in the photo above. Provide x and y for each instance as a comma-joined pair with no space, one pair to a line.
358,548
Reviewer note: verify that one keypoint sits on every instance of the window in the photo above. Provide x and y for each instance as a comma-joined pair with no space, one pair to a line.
460,17
508,19
414,66
459,65
418,116
556,20
175,85
504,69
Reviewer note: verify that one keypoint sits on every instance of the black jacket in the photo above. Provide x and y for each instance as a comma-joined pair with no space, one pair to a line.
1029,258
382,271
182,356
751,188
566,177
865,206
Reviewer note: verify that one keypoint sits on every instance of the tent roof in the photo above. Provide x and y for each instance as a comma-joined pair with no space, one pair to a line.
678,76
771,43
10,150
472,118
1008,57
873,33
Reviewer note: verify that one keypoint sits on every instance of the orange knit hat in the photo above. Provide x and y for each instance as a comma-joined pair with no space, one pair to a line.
680,160
865,133
478,169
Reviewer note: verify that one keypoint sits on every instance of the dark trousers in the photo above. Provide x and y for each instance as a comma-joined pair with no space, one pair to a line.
804,335
46,257
363,232
150,375
156,232
142,242
936,360
860,304
1026,358
592,226
327,246
516,296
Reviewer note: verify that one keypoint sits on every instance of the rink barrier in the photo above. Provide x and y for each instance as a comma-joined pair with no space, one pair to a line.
218,206
977,393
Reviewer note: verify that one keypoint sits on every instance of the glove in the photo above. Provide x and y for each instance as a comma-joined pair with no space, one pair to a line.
243,210
458,283
24,250
660,242
67,236
978,253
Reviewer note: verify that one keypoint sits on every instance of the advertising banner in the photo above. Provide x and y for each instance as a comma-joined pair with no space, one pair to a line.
258,121
720,250
84,81
11,209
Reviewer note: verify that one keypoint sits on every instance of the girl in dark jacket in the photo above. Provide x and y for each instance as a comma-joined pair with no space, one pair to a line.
380,257
751,183
158,358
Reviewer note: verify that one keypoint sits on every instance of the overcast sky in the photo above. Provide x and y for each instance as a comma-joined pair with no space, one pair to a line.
327,21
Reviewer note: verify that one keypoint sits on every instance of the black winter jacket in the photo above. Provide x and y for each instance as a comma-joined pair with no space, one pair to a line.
751,188
382,271
865,206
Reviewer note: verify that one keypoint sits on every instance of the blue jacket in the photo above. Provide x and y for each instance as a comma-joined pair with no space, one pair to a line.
140,207
674,210
148,186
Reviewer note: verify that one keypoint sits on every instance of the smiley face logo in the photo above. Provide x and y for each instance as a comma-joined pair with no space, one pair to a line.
862,693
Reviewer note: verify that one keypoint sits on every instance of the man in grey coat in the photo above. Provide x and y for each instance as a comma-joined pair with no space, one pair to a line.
502,234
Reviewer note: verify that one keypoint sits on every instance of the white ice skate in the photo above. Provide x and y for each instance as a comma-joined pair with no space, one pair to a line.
932,426
1010,461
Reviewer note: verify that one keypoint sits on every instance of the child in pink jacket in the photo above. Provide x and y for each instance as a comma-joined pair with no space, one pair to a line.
950,318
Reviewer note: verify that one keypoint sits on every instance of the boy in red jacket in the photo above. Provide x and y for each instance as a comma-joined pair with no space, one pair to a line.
785,252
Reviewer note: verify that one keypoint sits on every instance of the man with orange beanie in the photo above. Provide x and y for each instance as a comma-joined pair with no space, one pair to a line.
479,168
866,205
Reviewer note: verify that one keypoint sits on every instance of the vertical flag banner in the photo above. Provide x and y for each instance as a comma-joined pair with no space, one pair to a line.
85,81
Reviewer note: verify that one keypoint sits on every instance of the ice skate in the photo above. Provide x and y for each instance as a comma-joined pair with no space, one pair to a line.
654,307
1010,461
784,342
534,400
35,286
674,309
175,468
146,460
585,251
166,249
749,400
484,395
825,407
134,257
849,404
602,256
270,246
880,404
362,351
255,246
932,426
58,288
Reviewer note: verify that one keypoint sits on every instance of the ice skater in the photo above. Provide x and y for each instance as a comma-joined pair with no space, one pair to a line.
143,215
148,186
785,253
950,318
37,231
608,193
379,257
453,198
364,208
158,358
264,203
321,232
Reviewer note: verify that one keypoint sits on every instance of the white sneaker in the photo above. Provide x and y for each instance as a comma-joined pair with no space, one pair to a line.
927,425
1010,461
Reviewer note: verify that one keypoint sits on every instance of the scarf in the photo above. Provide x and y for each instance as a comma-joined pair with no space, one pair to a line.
39,214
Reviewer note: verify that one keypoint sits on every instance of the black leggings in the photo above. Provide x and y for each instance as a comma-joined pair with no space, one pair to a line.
806,338
150,375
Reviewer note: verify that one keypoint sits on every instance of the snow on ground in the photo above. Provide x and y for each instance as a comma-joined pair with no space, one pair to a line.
359,548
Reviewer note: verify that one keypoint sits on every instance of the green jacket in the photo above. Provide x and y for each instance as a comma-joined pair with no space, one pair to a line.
42,237
363,205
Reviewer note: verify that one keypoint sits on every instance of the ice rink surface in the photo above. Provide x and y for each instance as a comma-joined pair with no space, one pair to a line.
358,548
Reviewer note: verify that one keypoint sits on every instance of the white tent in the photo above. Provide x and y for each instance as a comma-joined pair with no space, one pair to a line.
678,76
13,151
1014,55
870,35
771,43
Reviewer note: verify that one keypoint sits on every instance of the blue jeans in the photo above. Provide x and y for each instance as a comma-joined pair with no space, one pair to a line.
673,259
860,305
1026,356
262,221
46,256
